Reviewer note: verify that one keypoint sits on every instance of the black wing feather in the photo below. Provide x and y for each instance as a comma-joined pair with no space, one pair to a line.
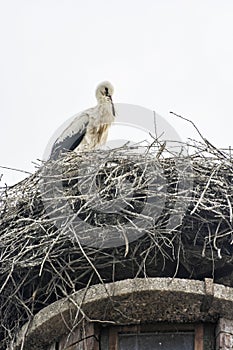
69,143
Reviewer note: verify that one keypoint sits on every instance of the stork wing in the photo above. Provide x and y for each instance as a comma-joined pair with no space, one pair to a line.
71,136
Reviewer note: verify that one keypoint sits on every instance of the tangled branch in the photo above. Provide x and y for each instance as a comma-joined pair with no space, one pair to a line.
109,215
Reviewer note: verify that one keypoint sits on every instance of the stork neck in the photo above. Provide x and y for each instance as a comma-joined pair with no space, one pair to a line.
106,110
104,103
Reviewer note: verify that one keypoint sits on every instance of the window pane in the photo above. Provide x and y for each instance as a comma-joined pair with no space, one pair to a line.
159,341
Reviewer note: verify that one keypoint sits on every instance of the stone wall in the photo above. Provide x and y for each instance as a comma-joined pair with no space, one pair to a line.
224,334
131,302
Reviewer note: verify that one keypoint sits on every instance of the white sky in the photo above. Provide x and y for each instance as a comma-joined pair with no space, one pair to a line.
164,55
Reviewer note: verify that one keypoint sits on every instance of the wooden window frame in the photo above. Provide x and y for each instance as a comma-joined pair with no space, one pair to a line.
198,330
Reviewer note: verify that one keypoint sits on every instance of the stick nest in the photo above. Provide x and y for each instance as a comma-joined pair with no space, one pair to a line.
110,215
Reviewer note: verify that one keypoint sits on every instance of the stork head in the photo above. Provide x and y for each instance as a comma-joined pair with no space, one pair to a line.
104,91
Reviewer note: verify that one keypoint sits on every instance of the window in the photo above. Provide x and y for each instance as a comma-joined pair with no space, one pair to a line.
153,337
157,341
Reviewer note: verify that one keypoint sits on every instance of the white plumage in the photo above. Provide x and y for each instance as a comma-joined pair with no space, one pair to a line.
89,129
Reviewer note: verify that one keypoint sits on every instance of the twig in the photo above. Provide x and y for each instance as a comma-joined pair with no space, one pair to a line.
15,169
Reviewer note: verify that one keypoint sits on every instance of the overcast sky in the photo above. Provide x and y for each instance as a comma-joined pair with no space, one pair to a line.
164,55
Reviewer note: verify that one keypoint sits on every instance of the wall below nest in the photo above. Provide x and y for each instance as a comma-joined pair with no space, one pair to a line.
131,302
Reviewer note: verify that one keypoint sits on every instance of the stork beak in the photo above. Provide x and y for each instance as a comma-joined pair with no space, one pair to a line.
113,108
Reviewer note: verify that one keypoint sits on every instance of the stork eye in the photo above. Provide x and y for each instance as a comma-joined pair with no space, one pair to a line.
106,91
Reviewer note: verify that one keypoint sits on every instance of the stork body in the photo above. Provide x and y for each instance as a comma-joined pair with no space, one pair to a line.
89,129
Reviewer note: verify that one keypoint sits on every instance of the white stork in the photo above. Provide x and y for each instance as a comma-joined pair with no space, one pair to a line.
89,129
